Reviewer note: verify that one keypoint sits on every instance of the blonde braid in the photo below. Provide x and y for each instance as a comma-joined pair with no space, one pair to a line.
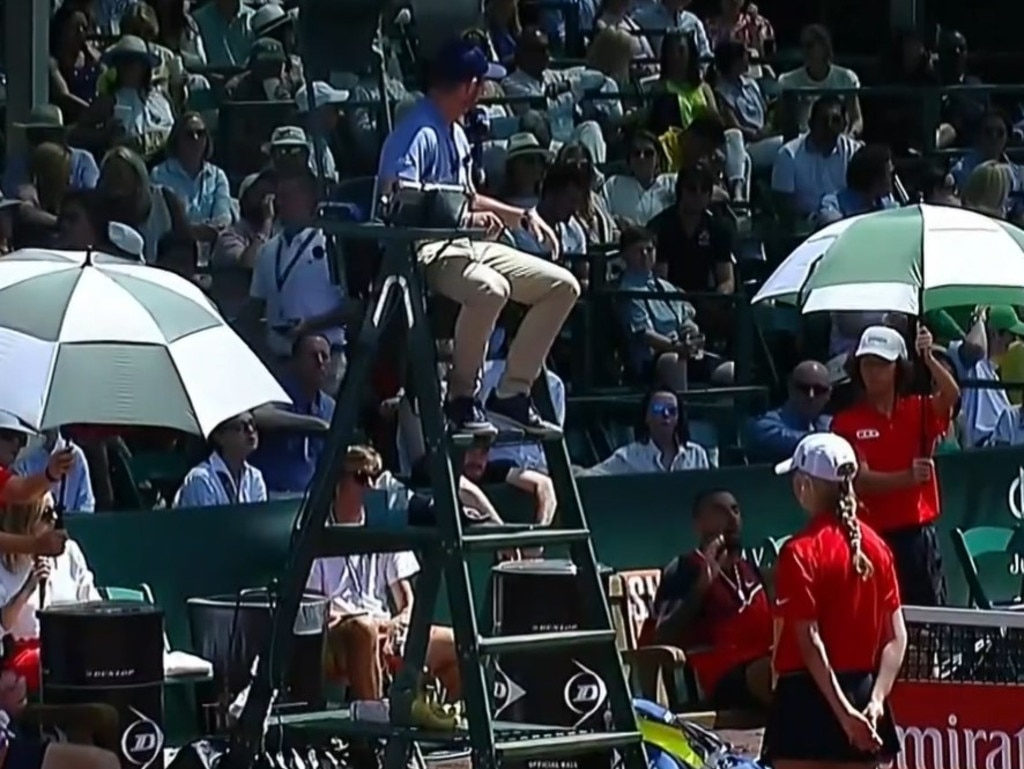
846,510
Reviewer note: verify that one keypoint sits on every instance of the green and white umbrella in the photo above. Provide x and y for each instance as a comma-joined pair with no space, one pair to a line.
886,261
91,339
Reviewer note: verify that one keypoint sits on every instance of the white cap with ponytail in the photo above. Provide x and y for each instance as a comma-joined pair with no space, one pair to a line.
825,456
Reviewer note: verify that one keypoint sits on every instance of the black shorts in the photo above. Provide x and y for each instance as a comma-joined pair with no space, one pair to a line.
25,753
918,558
733,692
802,727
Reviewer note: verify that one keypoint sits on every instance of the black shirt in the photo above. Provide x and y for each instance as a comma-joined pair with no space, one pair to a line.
692,258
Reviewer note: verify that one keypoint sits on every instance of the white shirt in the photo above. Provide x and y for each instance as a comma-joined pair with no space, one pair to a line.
626,197
637,457
210,483
293,278
70,581
837,77
808,175
150,120
980,407
363,580
1009,428
657,19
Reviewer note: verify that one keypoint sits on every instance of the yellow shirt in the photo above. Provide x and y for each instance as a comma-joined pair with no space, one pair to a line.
1011,369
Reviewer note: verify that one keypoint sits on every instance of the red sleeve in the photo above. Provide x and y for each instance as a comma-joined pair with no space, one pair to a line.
890,585
5,475
794,586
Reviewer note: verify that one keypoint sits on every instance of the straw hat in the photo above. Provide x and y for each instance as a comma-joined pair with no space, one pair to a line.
523,144
128,47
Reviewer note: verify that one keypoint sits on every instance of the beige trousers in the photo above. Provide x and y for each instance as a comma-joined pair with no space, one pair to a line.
482,276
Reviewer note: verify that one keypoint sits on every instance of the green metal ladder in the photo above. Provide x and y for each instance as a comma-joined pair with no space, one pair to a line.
443,550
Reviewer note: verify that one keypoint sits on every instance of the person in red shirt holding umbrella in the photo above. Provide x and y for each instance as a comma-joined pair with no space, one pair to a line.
894,434
840,636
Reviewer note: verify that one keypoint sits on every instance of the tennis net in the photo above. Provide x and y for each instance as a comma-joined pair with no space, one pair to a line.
964,645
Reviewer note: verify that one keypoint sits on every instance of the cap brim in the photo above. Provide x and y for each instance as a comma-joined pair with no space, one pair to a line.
784,467
270,26
495,72
892,357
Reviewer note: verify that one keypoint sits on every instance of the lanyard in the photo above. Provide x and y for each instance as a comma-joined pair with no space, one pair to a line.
231,491
736,586
357,577
281,278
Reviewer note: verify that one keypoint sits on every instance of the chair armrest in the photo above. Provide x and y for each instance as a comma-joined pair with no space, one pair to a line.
660,656
653,669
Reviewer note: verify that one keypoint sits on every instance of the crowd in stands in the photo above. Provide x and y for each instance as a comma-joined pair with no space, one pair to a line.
664,151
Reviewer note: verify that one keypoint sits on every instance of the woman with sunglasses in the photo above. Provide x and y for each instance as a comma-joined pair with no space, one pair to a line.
67,578
226,477
662,442
202,185
644,189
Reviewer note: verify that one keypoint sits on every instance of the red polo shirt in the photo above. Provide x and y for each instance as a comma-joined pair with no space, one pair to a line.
815,581
734,624
889,444
5,475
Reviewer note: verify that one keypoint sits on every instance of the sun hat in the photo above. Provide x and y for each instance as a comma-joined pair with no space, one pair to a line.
11,423
286,136
525,143
45,116
270,17
323,95
127,240
820,455
459,61
129,47
882,342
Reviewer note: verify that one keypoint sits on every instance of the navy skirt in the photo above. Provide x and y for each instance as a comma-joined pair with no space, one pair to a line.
802,727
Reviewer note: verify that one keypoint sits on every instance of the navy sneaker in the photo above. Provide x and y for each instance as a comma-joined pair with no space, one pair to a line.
467,416
519,411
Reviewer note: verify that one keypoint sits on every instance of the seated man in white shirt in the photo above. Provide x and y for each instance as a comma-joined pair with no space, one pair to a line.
372,598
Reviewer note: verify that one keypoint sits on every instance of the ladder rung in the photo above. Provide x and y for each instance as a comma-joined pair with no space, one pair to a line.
544,641
565,745
505,437
525,538
346,539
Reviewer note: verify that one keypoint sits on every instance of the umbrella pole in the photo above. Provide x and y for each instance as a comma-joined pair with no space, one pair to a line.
926,377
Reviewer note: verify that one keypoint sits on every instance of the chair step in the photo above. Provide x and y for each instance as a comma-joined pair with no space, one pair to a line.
506,437
345,539
564,745
532,642
523,538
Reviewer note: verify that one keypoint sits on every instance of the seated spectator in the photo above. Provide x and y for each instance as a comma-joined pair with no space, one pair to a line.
525,162
169,75
818,71
561,91
773,436
868,186
45,124
989,144
973,358
74,492
694,246
636,196
989,189
8,211
74,61
745,26
591,213
274,22
140,111
362,589
814,164
611,54
562,193
711,603
662,442
180,33
614,15
264,75
291,282
741,104
226,30
289,461
937,187
288,149
502,28
659,16
36,220
226,477
67,576
664,340
237,246
321,125
130,197
683,93
201,185
963,110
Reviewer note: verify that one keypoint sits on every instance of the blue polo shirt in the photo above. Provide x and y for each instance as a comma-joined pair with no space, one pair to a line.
424,148
773,436
288,461
849,202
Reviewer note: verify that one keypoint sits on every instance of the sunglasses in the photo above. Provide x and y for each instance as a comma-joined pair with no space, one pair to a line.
196,134
812,390
664,410
643,152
